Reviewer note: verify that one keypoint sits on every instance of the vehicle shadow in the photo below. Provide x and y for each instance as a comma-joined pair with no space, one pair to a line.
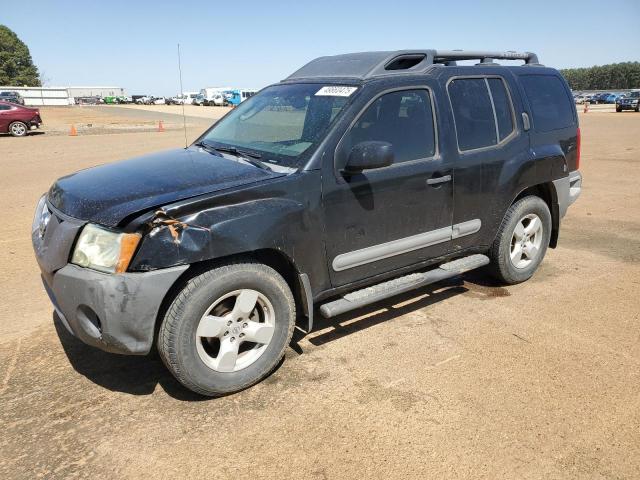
132,374
140,375
33,133
385,311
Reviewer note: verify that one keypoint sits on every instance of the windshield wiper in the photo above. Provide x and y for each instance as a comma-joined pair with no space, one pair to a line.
206,147
249,157
241,153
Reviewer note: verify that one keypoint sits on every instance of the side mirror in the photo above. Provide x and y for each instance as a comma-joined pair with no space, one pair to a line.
369,155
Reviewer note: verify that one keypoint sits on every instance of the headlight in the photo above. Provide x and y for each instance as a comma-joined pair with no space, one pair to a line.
104,250
41,217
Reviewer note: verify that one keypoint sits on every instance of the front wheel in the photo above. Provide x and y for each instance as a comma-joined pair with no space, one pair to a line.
228,328
522,240
618,109
18,129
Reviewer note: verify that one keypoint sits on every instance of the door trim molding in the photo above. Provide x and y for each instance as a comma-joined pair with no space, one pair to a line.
356,258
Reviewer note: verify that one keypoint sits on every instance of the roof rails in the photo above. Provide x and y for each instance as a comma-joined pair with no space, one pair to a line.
446,56
367,65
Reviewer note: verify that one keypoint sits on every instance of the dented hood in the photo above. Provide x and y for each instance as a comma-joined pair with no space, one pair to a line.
107,194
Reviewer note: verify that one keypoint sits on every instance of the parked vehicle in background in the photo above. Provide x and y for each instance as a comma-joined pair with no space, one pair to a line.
17,119
631,101
120,99
186,98
137,98
158,101
199,100
236,97
214,96
88,100
413,174
611,98
11,96
217,100
143,99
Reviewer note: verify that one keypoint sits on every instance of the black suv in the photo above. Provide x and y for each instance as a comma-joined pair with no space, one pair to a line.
630,101
356,178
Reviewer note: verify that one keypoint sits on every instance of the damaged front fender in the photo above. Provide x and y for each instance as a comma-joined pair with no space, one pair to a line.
218,232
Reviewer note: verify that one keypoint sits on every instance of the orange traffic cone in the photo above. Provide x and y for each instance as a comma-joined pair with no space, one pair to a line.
160,126
73,132
586,106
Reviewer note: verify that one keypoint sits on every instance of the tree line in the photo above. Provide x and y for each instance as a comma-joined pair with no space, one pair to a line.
624,75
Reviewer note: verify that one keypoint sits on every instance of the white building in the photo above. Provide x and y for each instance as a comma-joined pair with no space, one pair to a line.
42,95
61,95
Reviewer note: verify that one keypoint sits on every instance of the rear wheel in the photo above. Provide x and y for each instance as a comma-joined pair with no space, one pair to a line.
522,240
228,328
18,129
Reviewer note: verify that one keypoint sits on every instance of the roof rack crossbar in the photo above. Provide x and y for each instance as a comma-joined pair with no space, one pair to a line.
441,56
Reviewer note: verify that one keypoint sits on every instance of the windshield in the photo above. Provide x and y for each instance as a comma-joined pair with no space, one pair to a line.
633,94
283,123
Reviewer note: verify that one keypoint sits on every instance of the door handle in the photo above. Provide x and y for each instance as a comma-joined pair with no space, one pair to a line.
437,180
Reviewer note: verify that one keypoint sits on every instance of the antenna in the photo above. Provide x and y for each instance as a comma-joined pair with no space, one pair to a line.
184,118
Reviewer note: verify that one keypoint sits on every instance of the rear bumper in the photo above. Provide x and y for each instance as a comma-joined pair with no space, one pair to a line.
116,313
568,189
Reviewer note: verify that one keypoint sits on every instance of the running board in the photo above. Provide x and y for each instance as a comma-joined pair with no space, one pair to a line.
391,288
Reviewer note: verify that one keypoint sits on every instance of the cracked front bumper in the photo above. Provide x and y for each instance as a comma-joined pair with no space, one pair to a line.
114,312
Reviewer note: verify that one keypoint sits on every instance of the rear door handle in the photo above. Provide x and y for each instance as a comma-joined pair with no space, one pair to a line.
436,180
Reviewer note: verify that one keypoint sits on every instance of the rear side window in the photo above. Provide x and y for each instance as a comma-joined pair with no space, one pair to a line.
473,113
404,119
502,105
550,104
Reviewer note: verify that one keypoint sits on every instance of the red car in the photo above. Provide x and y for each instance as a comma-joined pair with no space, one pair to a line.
17,119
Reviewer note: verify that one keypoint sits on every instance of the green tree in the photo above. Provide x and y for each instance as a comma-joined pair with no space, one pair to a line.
604,77
16,65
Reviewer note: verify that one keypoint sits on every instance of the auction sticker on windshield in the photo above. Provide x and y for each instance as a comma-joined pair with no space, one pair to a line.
336,91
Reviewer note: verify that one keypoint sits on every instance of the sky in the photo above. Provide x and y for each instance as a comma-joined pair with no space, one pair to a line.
133,44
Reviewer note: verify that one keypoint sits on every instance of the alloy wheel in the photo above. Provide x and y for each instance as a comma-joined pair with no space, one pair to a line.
235,331
18,129
526,241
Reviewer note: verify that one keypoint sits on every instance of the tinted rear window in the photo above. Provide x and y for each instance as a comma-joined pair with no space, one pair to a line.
502,104
550,104
473,113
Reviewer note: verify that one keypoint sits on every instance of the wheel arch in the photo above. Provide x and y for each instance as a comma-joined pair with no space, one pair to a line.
271,257
547,192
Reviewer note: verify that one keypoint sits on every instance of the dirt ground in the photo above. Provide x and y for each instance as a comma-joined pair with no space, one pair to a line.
464,380
103,119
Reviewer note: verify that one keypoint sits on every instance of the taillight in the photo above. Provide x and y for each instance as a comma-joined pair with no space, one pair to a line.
578,149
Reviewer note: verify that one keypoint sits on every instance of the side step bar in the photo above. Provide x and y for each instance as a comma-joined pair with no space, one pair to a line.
391,288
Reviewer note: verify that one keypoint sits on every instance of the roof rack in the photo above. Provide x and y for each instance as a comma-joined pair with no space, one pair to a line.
365,65
446,56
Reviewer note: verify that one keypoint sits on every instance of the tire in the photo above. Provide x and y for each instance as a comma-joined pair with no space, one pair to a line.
618,109
207,318
513,256
18,129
